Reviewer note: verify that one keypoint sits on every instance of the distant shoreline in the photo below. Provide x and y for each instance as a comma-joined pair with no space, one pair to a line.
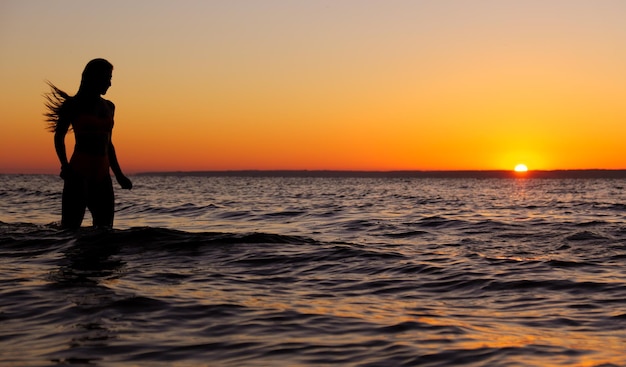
549,174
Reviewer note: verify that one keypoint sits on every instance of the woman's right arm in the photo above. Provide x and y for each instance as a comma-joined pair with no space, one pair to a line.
60,131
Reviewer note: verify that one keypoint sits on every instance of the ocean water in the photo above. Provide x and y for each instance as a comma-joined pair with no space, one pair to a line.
310,271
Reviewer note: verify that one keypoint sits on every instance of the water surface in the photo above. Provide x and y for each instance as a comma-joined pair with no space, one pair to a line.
242,271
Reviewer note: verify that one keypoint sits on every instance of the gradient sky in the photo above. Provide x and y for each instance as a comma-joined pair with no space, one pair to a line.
346,85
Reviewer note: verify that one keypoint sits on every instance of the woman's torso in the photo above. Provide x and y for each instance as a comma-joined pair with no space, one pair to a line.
92,125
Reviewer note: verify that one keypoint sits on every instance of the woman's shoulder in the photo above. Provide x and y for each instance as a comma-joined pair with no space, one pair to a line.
109,104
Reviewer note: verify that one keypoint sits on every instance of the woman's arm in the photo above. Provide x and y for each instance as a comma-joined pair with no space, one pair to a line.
60,131
117,171
115,165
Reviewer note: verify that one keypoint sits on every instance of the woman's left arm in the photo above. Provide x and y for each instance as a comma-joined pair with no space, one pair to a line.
124,181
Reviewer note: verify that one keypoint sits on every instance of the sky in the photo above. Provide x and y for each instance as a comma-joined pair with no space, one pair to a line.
326,85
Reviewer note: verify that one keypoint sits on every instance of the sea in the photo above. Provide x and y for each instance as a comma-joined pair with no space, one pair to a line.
305,270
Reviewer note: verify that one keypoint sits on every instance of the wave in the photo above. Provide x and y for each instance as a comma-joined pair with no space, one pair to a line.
17,239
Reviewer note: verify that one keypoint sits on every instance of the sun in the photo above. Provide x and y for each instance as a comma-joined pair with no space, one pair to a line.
521,168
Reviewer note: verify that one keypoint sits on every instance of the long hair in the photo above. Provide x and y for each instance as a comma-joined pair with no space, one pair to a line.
55,99
94,72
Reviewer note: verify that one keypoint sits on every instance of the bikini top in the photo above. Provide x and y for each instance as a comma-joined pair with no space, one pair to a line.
93,134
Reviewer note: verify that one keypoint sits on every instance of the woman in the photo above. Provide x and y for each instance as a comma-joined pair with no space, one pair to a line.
87,181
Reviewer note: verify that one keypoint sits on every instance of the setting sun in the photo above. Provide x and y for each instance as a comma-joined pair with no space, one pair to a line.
521,168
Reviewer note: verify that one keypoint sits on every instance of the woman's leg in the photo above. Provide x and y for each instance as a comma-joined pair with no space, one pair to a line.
73,202
101,203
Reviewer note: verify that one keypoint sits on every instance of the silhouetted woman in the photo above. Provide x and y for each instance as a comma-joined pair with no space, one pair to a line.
87,181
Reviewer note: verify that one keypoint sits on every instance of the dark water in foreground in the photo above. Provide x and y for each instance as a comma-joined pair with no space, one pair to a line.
227,271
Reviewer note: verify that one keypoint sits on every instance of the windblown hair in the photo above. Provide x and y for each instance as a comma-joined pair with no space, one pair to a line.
94,71
55,99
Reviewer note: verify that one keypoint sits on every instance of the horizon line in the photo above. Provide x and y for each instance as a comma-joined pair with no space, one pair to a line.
459,173
491,173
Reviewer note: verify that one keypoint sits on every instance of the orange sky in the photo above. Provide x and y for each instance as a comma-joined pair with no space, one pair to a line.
350,85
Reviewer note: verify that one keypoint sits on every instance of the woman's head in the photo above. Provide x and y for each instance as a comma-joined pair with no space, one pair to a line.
96,77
